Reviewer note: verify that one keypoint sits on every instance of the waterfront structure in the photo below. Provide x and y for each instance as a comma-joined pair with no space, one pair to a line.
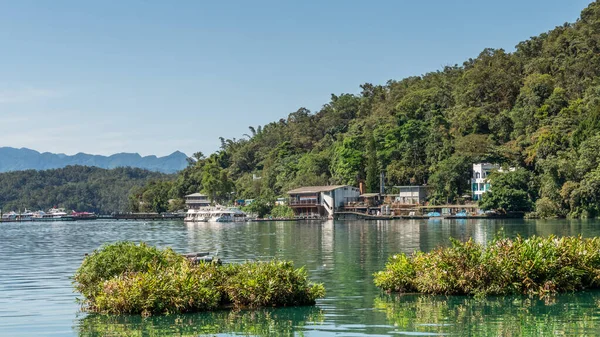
479,182
411,195
321,201
196,201
368,203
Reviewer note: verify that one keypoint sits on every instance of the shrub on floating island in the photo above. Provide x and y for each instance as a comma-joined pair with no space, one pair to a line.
125,278
118,259
527,266
274,283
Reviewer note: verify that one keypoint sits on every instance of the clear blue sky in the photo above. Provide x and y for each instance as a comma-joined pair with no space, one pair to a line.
158,76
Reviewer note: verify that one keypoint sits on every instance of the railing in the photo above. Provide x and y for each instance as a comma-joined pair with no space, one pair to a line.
305,202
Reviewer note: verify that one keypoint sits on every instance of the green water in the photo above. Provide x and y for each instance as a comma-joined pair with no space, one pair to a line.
37,259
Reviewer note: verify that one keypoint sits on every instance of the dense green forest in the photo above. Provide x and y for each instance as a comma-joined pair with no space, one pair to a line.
537,109
79,188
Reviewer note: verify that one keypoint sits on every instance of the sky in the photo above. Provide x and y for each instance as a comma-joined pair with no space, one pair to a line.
154,77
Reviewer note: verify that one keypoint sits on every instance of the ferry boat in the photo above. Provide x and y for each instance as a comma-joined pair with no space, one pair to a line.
84,215
200,210
215,214
53,214
14,216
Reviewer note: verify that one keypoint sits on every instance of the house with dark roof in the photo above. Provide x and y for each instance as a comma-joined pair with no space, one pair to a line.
321,201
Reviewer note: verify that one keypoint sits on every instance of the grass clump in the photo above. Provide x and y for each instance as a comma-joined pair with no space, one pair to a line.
521,266
125,278
273,283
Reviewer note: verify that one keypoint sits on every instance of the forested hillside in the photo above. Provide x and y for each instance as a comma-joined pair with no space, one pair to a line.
79,188
537,108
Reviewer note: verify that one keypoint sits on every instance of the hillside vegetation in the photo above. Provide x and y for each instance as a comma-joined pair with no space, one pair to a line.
537,108
78,188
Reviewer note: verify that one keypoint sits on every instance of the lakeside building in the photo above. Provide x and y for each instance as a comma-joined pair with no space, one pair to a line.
411,195
367,203
321,201
479,182
196,201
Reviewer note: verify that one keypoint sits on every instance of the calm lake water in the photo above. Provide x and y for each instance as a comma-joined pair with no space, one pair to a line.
37,260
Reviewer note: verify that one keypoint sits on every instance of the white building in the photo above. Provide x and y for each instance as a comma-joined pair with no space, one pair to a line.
312,201
479,182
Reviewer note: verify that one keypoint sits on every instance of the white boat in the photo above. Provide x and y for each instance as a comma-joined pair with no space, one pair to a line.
14,216
215,214
196,215
53,214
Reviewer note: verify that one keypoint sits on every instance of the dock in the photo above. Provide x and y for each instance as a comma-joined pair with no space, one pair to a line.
145,216
116,216
363,216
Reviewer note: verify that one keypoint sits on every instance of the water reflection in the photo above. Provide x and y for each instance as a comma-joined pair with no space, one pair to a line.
37,259
563,315
266,322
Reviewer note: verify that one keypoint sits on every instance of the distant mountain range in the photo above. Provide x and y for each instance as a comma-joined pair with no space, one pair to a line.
12,159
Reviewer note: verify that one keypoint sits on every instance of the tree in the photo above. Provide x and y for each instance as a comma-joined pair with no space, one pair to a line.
260,207
216,183
372,181
450,179
510,192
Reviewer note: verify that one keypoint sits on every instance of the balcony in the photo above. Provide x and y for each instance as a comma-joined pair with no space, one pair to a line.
304,202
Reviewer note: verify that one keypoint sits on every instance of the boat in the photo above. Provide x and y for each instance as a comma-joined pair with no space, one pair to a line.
53,214
83,215
14,216
196,215
216,214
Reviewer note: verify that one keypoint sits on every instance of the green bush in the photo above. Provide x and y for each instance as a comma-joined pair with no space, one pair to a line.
282,211
274,283
160,291
527,266
398,275
124,278
116,259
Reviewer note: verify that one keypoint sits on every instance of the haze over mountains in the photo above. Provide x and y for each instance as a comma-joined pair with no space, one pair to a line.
12,159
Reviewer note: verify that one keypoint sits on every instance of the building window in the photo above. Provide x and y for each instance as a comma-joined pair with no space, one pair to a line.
477,175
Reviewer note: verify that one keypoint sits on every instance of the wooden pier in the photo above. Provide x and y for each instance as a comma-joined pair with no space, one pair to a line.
146,216
118,216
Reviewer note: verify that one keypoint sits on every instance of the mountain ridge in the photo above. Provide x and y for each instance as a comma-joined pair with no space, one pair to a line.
17,159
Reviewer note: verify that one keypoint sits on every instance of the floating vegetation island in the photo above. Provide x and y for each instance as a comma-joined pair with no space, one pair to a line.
504,266
126,278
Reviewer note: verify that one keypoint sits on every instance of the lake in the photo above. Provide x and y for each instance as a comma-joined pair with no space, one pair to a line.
38,259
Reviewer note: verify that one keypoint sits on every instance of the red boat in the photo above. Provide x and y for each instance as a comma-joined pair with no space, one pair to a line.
83,215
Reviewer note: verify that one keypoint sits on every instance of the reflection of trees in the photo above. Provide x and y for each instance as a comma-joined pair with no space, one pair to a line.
571,314
266,322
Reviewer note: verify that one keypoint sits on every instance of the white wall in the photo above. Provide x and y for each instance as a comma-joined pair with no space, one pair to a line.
343,194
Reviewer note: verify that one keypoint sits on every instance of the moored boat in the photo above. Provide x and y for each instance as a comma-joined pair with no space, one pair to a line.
14,216
83,215
216,214
53,214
